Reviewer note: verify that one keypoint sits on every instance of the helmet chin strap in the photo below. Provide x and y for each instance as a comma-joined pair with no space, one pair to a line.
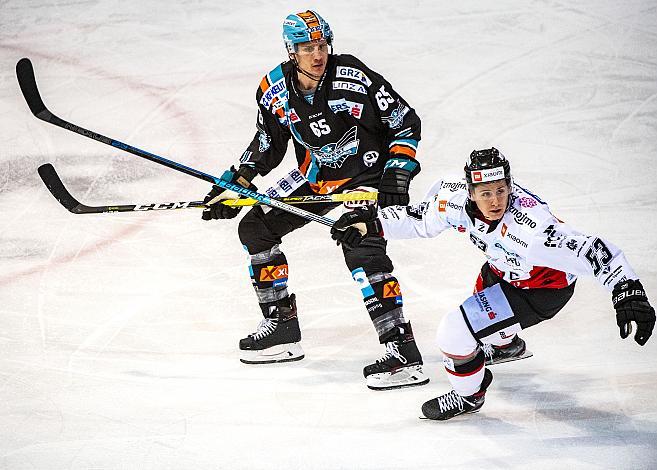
307,74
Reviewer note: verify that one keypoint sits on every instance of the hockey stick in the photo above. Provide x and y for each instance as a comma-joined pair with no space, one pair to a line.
27,83
55,185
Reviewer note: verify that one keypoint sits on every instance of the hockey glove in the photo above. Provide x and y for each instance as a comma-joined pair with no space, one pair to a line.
396,178
217,210
353,226
632,305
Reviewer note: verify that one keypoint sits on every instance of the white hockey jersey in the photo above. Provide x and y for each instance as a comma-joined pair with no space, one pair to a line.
529,247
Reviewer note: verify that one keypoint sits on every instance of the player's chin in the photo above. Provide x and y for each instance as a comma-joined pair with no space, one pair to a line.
495,214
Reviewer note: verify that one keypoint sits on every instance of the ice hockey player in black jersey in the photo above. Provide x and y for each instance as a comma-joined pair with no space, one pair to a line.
533,260
350,129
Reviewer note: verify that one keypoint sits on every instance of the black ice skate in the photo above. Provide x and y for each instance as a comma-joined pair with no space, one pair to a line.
452,404
401,365
276,339
513,351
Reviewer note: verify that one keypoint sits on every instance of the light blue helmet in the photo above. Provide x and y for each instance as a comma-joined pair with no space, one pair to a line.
304,27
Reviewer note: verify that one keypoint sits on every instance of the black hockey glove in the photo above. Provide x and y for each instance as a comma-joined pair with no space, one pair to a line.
353,226
632,305
217,210
397,175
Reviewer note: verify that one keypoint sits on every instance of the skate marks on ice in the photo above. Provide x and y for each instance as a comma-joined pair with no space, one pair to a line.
588,423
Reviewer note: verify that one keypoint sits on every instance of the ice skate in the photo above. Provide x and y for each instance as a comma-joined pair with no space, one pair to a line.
452,404
400,366
513,351
276,339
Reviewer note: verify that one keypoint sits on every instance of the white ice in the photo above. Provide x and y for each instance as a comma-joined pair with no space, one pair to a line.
118,332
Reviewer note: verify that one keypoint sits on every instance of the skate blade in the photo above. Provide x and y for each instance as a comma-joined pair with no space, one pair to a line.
524,355
412,376
279,353
455,417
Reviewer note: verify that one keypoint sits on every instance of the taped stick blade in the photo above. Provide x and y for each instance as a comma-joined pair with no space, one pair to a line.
27,82
57,189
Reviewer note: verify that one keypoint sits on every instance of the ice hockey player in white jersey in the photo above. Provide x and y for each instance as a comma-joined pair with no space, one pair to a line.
533,260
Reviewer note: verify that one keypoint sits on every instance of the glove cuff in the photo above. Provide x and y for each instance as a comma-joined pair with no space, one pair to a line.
402,164
627,291
247,172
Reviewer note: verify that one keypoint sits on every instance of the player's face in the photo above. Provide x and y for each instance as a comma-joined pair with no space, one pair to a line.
312,56
491,198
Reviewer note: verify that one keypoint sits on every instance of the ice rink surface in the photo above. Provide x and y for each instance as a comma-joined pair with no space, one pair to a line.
119,332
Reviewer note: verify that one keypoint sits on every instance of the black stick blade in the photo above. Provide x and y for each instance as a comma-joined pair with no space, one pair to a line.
27,82
56,187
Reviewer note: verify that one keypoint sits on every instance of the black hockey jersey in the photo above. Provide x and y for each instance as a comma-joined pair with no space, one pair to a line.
355,123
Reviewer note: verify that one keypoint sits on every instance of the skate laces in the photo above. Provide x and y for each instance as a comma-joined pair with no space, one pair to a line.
488,349
450,401
265,328
392,350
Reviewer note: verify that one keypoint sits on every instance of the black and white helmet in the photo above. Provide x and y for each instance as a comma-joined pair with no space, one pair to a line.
485,166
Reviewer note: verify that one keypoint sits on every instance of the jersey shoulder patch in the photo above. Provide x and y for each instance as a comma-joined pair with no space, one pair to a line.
272,91
351,70
450,199
528,211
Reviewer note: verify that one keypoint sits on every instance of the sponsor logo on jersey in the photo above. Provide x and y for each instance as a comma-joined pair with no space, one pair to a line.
294,117
483,176
504,229
521,218
610,280
461,229
456,207
452,186
276,105
478,242
370,158
351,107
272,92
273,273
518,240
501,247
333,155
396,117
527,202
442,206
553,240
349,86
572,245
511,257
354,74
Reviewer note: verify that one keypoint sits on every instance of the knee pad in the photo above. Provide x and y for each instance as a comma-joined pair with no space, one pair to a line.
454,337
253,231
370,255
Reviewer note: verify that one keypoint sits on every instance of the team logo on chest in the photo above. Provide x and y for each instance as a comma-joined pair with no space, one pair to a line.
333,155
